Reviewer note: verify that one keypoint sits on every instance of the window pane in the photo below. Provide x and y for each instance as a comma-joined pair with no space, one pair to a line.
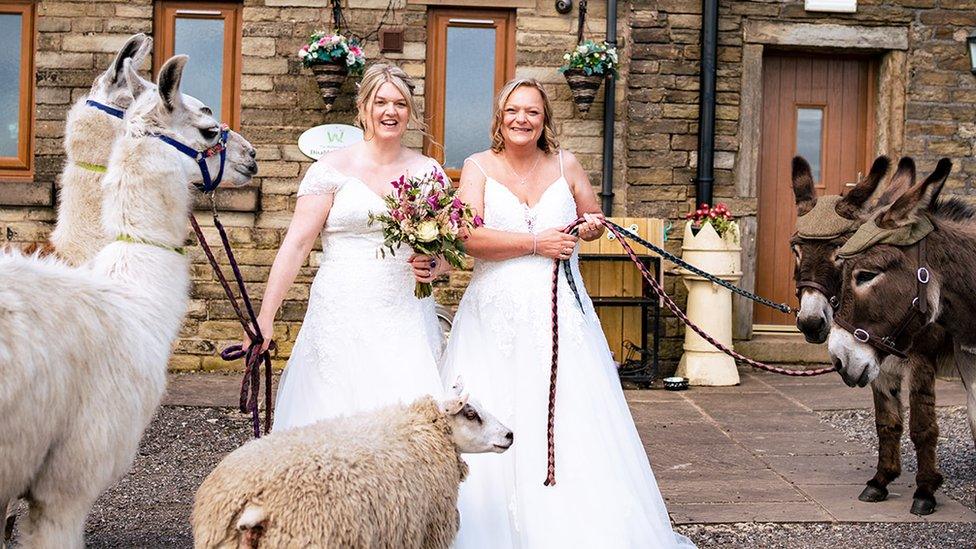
809,136
10,35
469,89
203,41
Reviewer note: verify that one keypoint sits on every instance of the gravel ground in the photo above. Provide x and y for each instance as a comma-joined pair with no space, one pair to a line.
957,455
150,506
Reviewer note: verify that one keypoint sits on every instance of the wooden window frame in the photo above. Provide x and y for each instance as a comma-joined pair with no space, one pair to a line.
438,21
164,23
21,167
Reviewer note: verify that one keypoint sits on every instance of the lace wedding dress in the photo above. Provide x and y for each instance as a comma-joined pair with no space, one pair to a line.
366,341
605,494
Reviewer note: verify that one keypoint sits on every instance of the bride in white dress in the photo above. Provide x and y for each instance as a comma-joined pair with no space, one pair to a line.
605,494
366,341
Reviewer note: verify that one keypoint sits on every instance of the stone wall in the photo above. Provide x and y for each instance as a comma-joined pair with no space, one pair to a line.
279,98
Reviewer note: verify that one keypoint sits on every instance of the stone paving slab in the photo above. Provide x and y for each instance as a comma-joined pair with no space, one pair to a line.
823,442
718,513
842,503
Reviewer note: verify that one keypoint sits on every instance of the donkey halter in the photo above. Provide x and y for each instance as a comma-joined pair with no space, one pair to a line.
200,157
919,307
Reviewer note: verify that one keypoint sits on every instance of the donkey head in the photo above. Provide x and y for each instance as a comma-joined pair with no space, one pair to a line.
816,271
185,119
112,86
880,283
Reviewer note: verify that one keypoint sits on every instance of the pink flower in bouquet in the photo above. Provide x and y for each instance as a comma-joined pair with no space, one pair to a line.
425,214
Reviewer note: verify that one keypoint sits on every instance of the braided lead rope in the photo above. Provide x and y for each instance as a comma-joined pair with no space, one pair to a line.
669,303
781,307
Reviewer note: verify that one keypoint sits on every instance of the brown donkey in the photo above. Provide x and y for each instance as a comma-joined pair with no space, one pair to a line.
907,273
823,226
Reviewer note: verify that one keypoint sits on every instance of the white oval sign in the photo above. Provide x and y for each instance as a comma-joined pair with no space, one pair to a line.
315,142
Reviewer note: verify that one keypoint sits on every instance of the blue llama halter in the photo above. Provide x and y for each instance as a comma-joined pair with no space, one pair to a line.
200,157
117,113
823,222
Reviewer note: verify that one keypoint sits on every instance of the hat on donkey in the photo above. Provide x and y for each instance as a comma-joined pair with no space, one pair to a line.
870,234
823,222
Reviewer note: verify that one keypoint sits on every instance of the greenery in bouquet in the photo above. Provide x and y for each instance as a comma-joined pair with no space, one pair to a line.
424,213
718,216
591,58
324,47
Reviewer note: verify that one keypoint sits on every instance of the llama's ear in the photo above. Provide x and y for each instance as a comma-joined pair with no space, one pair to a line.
803,186
168,82
905,209
137,84
132,47
853,202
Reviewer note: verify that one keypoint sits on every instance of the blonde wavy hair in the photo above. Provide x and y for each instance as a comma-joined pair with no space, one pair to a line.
547,140
374,77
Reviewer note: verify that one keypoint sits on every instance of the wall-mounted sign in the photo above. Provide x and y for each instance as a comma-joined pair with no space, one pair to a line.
315,142
841,6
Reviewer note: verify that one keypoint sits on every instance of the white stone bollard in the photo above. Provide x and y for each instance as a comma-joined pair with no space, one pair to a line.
709,305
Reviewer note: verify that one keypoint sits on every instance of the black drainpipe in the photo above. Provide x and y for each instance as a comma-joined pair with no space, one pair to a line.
609,106
704,177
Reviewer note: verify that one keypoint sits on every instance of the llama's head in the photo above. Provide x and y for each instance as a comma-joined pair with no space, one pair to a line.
889,291
823,225
95,120
187,126
473,429
111,88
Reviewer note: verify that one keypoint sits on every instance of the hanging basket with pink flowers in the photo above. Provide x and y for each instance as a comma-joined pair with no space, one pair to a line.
332,57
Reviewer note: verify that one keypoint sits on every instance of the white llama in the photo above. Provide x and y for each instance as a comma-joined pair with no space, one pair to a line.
94,122
83,351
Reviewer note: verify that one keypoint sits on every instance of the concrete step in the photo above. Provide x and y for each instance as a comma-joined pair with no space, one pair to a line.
783,349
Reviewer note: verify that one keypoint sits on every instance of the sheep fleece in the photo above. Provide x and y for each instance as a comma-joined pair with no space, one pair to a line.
383,479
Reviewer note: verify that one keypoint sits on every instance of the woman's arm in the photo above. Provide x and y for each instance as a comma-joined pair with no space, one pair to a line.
311,211
495,245
587,205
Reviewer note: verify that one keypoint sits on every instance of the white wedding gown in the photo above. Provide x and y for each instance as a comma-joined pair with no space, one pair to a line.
366,340
605,494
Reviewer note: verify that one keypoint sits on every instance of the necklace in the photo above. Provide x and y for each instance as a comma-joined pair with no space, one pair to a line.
523,180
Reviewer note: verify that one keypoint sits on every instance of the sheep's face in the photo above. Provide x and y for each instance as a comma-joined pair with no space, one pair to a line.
473,429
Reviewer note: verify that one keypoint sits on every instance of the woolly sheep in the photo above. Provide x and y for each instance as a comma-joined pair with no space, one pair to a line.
388,478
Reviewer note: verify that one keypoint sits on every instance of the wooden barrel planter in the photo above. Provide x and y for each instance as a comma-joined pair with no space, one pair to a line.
329,77
584,87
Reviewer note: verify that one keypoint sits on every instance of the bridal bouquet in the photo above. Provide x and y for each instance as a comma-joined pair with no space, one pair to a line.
425,214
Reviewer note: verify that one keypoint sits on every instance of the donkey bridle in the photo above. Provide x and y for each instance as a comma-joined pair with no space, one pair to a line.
831,298
919,306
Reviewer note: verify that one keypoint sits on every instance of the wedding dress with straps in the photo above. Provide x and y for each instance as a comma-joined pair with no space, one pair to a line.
605,493
366,340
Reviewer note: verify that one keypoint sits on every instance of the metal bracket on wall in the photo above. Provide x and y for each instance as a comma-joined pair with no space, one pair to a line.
564,6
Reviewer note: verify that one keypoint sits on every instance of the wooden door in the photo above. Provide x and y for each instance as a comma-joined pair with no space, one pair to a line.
821,108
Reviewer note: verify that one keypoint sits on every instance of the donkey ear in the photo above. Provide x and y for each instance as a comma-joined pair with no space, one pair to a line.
853,202
903,179
136,83
907,206
169,82
132,47
803,186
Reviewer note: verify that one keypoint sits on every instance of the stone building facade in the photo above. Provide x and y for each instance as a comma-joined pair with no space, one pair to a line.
922,104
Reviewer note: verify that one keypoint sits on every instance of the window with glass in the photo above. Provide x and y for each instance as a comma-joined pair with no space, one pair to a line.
809,137
16,88
470,56
210,33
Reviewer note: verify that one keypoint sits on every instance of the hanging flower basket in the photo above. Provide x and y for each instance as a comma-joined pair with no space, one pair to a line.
329,77
585,68
584,87
332,57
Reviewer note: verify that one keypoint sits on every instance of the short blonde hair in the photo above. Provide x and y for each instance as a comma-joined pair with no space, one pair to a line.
374,77
547,140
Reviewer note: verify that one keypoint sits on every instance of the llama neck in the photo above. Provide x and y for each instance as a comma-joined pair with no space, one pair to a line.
89,137
951,255
146,192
